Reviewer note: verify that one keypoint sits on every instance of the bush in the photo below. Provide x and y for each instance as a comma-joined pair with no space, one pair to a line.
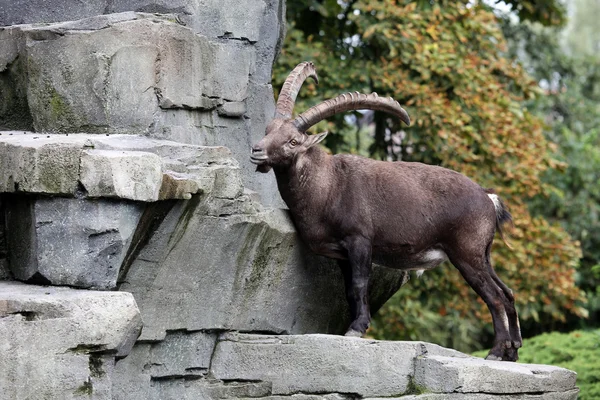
578,351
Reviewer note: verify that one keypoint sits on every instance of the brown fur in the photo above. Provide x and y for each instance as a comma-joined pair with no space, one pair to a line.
402,215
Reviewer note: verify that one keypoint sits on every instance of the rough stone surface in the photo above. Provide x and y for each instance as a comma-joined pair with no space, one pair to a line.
321,363
126,174
5,273
73,242
191,365
114,73
252,275
232,109
25,12
30,164
199,74
72,338
121,166
568,395
313,364
447,375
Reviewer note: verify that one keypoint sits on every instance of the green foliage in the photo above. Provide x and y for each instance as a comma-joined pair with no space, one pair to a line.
571,110
446,62
578,351
548,13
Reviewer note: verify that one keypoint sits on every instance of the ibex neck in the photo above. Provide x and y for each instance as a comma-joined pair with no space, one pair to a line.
305,180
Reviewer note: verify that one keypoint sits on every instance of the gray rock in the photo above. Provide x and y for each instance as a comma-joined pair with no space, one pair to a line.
232,109
5,273
182,354
212,18
119,166
73,242
331,396
181,389
130,380
25,11
176,368
568,395
316,364
131,175
250,273
31,164
321,363
124,72
114,73
447,375
72,337
14,109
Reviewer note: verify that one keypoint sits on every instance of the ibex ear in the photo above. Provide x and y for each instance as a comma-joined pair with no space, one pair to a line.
315,139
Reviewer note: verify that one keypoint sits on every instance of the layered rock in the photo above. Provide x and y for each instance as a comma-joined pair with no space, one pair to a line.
207,83
82,238
307,367
61,343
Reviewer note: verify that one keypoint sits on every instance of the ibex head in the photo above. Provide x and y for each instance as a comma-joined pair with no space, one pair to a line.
286,138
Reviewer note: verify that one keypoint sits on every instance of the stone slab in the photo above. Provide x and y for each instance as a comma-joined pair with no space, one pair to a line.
123,174
213,18
124,72
115,166
74,242
568,395
114,73
29,163
25,11
182,354
72,337
441,374
321,363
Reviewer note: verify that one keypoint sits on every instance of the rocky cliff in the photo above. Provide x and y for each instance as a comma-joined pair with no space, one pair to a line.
140,255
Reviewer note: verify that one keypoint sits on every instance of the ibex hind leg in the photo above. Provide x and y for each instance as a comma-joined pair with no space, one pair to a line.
478,273
511,312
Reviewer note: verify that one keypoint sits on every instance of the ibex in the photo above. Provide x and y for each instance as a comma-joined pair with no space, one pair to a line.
404,215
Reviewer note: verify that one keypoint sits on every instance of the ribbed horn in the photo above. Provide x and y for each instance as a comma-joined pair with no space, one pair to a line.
291,87
347,102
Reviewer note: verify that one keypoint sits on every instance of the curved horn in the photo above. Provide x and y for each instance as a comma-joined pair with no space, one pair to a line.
291,87
347,102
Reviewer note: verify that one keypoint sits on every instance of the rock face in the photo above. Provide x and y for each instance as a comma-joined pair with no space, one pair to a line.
234,365
61,343
74,242
259,277
83,240
193,73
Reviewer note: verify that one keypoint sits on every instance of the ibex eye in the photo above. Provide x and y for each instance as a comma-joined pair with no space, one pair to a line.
293,142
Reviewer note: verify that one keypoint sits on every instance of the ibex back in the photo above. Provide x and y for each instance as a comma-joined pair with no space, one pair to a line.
398,214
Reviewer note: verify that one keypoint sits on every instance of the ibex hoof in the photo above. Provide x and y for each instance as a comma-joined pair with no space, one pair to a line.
353,333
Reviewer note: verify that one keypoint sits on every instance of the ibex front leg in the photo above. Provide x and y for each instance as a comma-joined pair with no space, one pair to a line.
356,270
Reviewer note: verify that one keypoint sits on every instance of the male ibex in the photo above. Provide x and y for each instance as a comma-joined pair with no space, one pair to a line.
402,215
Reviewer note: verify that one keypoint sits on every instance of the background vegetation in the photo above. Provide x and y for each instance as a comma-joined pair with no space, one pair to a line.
578,351
508,94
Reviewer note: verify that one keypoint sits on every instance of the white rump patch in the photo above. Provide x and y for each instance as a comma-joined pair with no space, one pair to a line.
434,255
496,200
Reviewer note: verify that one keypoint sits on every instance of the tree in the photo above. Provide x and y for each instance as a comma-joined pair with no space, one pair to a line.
570,108
444,61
